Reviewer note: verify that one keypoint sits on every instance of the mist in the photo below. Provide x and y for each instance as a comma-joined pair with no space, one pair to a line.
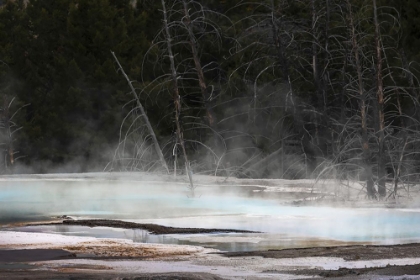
256,205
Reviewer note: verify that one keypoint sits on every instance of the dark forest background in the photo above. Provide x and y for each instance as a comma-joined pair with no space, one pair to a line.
274,89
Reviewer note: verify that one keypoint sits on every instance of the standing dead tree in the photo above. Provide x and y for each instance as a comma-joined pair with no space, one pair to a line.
366,152
287,52
183,61
188,23
8,128
144,115
408,137
176,95
265,49
401,133
380,106
376,76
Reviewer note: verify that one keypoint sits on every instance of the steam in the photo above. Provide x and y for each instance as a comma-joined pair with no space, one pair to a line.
240,204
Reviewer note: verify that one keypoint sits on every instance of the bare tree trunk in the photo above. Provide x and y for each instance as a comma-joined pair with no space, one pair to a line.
398,171
146,119
410,79
279,44
380,100
9,152
363,109
203,86
405,142
284,64
407,73
315,69
176,96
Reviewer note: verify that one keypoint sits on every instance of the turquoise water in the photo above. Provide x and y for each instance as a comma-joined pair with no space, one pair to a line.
221,241
214,207
362,225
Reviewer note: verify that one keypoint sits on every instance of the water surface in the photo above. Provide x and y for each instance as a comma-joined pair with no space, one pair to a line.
233,207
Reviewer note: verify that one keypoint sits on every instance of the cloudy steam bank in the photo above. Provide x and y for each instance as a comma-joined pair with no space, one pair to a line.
284,215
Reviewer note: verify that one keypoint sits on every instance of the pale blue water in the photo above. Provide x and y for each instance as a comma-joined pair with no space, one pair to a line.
216,207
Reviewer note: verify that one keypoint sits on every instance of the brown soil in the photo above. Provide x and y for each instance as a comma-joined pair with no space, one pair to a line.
83,271
152,228
108,249
29,255
359,273
80,275
348,253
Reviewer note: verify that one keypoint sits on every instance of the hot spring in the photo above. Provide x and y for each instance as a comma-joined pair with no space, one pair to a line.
217,204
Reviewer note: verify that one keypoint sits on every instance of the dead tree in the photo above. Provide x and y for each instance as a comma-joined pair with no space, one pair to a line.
366,152
144,115
380,107
9,128
211,120
175,94
266,47
8,141
405,139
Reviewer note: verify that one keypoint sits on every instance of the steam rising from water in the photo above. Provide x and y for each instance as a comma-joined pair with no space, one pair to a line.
142,199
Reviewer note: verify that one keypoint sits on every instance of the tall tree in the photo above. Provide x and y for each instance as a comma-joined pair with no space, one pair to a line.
366,151
176,95
380,99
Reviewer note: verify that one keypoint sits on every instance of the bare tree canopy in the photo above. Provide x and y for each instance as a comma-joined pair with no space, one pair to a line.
274,88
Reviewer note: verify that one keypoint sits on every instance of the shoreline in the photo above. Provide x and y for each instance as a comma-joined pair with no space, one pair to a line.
49,256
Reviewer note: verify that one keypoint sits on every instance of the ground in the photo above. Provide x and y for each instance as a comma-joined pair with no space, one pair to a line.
43,256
